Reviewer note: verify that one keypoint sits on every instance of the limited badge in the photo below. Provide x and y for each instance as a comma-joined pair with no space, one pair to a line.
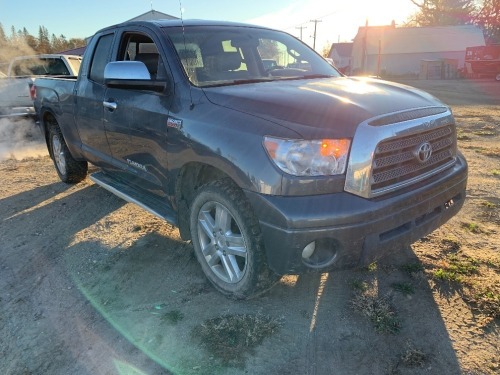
174,123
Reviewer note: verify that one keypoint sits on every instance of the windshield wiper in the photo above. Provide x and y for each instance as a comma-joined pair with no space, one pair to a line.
313,76
238,82
307,76
252,80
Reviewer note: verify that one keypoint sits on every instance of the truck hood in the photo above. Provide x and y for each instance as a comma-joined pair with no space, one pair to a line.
332,106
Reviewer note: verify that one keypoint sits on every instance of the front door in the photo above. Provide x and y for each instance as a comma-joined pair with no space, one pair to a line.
136,120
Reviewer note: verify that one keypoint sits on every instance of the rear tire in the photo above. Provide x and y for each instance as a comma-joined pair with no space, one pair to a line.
68,169
227,241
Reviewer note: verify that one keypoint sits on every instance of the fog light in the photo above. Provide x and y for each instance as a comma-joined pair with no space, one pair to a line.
309,250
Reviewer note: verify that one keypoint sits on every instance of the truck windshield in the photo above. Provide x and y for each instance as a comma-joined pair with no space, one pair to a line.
231,55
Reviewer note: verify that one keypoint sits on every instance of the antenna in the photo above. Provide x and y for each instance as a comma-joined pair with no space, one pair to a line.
191,106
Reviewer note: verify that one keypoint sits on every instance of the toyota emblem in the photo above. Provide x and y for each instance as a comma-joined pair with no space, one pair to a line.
423,152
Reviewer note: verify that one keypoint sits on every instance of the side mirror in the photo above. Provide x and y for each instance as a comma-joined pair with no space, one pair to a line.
131,75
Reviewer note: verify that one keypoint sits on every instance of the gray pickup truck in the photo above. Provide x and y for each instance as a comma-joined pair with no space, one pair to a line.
283,170
15,97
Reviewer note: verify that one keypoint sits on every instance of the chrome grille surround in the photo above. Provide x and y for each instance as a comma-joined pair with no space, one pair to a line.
384,158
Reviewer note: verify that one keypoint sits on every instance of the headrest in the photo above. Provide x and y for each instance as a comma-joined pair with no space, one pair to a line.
150,60
228,61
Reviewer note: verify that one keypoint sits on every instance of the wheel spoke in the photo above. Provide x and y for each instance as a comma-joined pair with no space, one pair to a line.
236,245
209,250
222,218
206,222
235,240
57,145
214,260
231,267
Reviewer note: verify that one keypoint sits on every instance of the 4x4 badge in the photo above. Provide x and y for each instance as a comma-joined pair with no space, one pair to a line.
423,152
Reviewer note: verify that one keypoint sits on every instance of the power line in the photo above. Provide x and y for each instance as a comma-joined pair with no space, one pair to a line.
317,18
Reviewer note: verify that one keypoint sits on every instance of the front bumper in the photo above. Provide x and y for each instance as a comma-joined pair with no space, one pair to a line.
350,230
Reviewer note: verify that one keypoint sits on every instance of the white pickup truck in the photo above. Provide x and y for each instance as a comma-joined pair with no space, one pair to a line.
15,97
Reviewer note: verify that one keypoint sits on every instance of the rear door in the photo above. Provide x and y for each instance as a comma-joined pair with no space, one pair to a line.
89,110
136,125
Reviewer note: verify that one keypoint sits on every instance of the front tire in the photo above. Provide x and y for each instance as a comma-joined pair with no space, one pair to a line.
68,169
227,241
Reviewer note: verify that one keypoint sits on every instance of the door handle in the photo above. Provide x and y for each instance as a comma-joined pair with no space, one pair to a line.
110,105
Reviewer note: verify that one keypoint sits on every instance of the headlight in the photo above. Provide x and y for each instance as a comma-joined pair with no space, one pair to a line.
322,157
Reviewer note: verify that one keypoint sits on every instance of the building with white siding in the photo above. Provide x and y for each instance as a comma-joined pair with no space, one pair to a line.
391,50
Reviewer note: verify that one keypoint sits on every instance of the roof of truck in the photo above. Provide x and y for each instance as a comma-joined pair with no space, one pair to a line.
180,23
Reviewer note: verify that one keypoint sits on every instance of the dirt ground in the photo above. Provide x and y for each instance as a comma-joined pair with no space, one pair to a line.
90,284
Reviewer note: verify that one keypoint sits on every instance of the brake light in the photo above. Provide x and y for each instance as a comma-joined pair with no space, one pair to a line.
32,91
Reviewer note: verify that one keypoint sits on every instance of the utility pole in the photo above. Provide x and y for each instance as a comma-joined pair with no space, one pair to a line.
315,26
301,28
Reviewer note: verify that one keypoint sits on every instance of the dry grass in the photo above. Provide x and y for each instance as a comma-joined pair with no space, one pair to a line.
172,317
230,337
404,288
413,357
378,309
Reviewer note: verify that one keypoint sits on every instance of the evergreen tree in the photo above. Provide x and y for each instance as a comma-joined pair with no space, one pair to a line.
13,35
3,37
43,40
29,39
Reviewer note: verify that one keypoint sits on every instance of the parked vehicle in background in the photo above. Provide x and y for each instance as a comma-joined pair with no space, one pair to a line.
267,172
483,61
15,99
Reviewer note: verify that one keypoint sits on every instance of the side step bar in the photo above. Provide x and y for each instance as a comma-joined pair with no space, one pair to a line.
153,205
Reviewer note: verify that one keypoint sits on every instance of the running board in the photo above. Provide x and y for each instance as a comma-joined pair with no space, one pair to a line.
159,208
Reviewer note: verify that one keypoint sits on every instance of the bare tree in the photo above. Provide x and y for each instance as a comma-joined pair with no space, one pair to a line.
443,12
488,18
325,51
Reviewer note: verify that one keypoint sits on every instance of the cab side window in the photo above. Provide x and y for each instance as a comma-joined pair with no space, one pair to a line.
101,58
140,47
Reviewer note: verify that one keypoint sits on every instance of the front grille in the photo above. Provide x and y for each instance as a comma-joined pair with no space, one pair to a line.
396,161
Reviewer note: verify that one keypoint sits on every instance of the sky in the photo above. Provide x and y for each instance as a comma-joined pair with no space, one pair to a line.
339,20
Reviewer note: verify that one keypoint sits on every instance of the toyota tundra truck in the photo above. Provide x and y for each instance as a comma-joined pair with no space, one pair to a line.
266,170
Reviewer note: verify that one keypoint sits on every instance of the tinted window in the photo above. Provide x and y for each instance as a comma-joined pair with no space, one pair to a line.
225,55
101,57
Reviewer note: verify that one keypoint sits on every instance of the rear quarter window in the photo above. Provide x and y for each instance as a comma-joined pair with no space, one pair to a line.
101,58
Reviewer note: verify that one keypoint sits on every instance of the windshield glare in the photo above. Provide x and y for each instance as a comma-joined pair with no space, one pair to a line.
214,56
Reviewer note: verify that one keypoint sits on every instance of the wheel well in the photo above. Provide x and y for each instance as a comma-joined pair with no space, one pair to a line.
190,178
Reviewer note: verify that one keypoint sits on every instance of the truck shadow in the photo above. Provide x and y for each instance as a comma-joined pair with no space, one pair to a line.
116,272
45,316
362,322
155,294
